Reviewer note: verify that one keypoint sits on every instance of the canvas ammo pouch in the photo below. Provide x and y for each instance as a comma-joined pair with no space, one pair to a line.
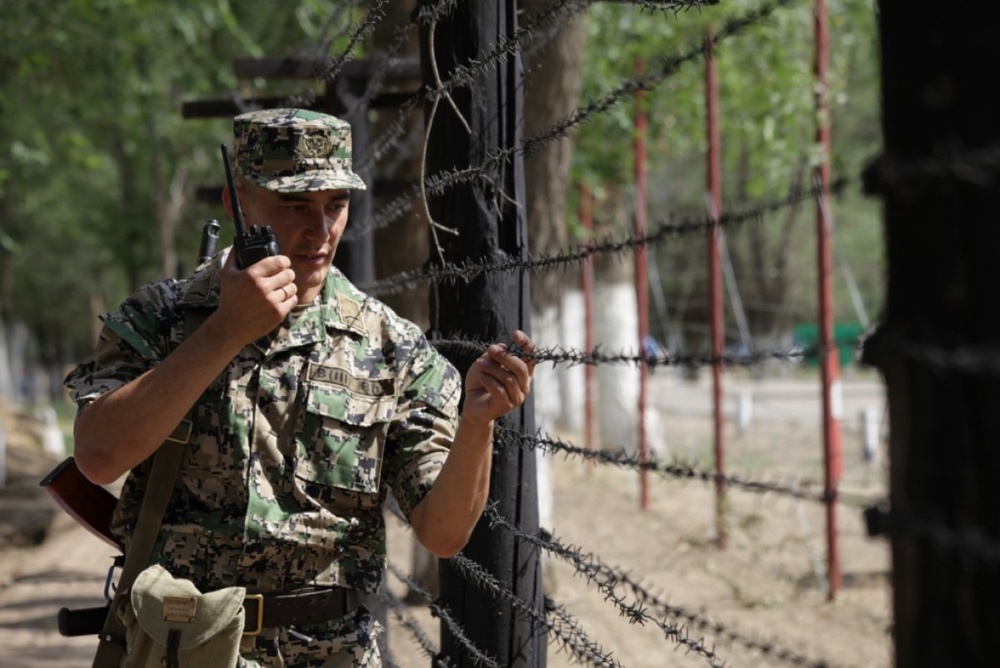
169,623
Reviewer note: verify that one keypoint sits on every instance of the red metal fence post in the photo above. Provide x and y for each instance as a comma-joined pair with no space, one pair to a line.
829,356
717,331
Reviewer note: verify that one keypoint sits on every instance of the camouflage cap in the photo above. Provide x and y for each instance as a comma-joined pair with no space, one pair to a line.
294,150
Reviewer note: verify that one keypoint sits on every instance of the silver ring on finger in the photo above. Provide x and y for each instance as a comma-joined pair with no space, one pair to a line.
284,293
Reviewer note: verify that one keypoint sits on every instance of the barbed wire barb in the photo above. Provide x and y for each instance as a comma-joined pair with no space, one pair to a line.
476,655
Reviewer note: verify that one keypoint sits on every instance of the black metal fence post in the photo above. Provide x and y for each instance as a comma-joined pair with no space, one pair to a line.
488,215
940,110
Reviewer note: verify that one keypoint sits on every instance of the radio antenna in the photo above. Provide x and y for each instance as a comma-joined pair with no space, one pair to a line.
237,209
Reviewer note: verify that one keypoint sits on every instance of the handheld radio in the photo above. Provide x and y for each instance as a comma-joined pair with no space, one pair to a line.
256,244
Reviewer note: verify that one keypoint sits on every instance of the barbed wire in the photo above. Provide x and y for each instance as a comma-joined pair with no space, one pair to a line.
375,13
438,610
376,80
970,359
326,35
558,355
565,630
975,166
540,40
508,46
635,614
466,75
672,6
409,622
609,579
393,131
428,15
505,47
660,233
659,72
674,469
970,540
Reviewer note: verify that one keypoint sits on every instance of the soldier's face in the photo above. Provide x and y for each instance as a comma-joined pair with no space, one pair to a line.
308,227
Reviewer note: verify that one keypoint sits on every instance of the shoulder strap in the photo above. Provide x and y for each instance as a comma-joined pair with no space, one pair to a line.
163,475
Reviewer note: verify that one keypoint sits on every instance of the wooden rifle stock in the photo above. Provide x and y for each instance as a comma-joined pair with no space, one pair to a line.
88,503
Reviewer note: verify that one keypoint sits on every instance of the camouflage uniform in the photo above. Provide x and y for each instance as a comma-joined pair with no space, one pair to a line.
293,450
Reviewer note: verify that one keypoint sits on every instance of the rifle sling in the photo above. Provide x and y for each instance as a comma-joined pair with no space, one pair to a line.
163,475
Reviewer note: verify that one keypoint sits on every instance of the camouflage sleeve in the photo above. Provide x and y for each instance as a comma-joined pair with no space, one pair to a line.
113,364
424,426
132,341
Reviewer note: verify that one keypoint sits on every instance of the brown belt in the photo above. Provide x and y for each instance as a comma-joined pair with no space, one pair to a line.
300,608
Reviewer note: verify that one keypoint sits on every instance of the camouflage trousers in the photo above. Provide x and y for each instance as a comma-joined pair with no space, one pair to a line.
348,642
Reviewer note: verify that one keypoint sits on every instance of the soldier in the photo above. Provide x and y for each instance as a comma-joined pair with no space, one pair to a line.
309,401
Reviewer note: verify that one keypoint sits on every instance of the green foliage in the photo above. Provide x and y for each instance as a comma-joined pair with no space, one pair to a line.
766,87
91,137
767,122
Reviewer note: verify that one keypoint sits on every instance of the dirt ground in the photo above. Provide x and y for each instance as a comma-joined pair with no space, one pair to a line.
766,587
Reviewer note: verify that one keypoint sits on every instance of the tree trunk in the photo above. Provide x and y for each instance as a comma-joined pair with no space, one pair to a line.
169,208
616,329
552,92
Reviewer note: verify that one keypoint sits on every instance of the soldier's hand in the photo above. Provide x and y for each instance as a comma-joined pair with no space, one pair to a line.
498,381
255,300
